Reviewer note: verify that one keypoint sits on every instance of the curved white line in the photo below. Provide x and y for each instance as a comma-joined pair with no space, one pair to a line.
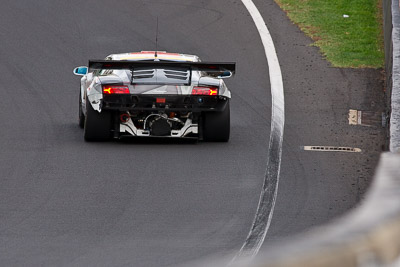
268,195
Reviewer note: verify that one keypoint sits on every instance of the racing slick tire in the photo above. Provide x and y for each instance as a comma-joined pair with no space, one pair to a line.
81,115
97,125
216,125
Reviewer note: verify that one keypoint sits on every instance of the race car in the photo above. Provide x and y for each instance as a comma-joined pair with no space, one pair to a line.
154,94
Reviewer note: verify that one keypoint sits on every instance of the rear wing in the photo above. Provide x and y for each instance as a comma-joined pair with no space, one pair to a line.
164,72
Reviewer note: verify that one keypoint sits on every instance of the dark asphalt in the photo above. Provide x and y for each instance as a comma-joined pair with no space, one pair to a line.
64,202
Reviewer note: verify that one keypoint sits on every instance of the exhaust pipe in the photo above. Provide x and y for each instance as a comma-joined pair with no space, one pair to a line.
124,117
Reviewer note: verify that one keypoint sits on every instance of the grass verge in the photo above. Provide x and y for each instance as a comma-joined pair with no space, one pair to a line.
348,32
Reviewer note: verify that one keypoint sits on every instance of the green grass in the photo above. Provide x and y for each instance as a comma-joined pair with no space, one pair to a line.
355,42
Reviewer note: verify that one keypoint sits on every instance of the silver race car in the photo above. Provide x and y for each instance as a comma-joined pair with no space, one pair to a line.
154,94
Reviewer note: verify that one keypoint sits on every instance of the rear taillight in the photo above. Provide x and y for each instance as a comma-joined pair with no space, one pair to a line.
202,90
160,100
115,89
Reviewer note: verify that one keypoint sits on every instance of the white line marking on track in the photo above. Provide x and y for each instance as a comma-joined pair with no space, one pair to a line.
269,191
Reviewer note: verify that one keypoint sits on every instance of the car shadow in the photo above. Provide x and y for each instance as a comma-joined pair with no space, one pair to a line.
156,140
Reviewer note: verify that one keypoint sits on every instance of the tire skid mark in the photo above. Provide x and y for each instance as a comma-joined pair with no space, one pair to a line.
263,217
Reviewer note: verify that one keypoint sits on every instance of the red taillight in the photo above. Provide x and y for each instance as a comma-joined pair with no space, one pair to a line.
115,89
160,100
200,90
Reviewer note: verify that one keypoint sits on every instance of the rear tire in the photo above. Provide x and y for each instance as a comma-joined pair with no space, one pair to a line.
216,125
81,115
97,125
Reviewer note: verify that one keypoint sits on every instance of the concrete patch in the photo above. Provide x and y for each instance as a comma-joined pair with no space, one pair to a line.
367,118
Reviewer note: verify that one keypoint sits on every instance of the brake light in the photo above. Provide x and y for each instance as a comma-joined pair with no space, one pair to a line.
115,89
200,90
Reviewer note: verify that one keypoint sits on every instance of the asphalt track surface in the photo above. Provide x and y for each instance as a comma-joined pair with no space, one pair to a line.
65,202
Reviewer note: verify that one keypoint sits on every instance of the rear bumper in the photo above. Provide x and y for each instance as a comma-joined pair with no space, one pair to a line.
164,102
